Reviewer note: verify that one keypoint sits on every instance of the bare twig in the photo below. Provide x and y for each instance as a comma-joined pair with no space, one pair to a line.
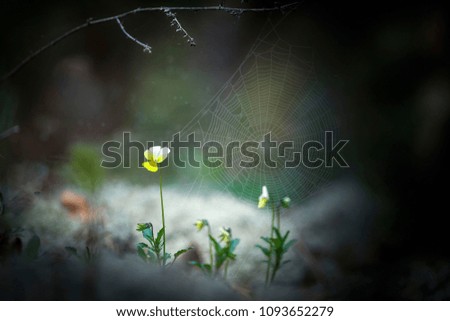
146,47
179,27
90,21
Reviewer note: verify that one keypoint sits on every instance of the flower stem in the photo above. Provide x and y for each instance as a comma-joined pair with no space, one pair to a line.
163,220
210,249
269,262
276,264
278,219
225,270
274,271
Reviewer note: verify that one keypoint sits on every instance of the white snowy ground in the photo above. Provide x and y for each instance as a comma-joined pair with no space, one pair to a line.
123,205
335,225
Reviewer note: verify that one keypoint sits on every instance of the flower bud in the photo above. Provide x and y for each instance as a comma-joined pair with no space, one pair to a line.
285,202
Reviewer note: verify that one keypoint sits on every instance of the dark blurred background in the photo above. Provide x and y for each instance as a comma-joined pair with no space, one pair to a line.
385,65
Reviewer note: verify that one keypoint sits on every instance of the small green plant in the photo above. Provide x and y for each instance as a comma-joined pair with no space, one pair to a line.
221,252
155,251
277,244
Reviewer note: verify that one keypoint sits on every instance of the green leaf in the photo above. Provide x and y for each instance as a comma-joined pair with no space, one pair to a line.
141,252
220,253
147,231
289,244
286,236
231,256
142,226
230,249
206,268
143,245
277,233
220,259
159,237
216,244
32,248
265,251
168,256
233,244
152,255
181,252
277,244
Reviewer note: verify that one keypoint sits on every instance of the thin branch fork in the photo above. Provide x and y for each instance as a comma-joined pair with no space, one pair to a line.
146,47
169,11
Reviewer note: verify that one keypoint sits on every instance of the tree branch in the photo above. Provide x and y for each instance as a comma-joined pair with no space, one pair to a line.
179,28
146,47
90,21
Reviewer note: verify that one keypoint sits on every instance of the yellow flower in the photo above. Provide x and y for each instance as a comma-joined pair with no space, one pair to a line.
200,224
225,234
263,198
154,156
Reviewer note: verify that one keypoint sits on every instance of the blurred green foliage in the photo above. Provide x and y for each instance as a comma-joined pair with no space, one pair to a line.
153,251
84,168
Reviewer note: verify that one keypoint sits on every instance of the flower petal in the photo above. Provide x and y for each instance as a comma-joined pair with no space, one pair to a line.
263,198
162,155
225,234
262,202
265,192
150,166
199,225
157,154
148,155
154,151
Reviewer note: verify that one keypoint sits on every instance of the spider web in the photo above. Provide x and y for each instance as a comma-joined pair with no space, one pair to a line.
274,90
